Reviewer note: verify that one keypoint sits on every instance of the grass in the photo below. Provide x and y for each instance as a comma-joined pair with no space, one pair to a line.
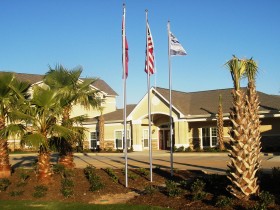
27,205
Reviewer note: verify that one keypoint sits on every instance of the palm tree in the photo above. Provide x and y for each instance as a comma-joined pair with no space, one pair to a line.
239,133
243,165
220,125
43,114
72,91
12,93
101,129
253,103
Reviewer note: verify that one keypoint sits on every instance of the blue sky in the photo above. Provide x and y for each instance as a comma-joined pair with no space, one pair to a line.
37,33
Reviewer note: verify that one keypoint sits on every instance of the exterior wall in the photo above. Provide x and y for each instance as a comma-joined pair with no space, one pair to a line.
157,106
108,106
194,132
180,130
270,132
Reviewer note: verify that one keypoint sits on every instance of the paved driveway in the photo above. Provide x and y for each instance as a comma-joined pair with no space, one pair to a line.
209,162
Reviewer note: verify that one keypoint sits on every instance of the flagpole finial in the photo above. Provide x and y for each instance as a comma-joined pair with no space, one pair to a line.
146,10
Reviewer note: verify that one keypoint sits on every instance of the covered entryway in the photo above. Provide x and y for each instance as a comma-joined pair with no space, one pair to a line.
162,122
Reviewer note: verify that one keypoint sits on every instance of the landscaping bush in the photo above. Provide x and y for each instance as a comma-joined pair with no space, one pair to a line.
143,172
172,188
4,184
67,187
112,174
130,174
150,189
266,199
197,189
40,191
223,201
58,169
23,178
93,178
16,193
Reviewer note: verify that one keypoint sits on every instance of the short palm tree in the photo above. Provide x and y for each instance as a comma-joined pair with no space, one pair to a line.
12,93
71,91
220,125
241,170
42,115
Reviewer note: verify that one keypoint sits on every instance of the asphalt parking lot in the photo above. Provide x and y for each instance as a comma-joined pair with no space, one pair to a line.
208,162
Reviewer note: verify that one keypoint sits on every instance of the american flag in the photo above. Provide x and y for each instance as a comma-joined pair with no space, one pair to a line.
149,65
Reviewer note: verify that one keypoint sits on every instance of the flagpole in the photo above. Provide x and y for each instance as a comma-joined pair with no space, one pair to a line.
149,104
170,101
124,96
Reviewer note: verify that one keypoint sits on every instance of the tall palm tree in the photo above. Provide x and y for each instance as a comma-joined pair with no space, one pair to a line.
253,103
12,93
220,125
243,165
72,91
239,133
43,114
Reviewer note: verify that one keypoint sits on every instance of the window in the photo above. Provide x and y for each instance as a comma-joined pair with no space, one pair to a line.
146,138
119,139
93,140
209,137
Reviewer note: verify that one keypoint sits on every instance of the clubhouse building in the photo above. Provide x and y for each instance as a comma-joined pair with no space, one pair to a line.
194,117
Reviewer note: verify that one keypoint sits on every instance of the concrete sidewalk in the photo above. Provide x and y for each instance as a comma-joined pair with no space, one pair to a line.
208,162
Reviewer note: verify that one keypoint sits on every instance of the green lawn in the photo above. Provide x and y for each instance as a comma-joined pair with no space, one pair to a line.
27,205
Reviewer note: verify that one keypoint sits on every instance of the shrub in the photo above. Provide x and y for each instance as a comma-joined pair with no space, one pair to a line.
223,201
180,149
197,189
94,180
112,174
58,169
23,177
143,172
16,193
150,189
266,198
130,174
40,191
172,188
4,184
197,186
184,184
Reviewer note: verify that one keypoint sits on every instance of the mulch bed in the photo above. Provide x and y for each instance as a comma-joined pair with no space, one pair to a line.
215,186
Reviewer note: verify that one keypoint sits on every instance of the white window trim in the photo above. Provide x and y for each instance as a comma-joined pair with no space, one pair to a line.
90,146
145,130
129,134
201,138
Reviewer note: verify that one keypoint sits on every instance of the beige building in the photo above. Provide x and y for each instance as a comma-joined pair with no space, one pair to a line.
193,115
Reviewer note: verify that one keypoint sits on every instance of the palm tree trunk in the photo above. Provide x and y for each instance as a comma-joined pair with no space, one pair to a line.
220,125
66,157
101,132
5,167
241,170
254,132
67,160
44,167
245,148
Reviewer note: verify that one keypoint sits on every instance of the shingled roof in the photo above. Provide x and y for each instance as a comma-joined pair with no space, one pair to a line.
118,114
206,102
34,78
103,86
